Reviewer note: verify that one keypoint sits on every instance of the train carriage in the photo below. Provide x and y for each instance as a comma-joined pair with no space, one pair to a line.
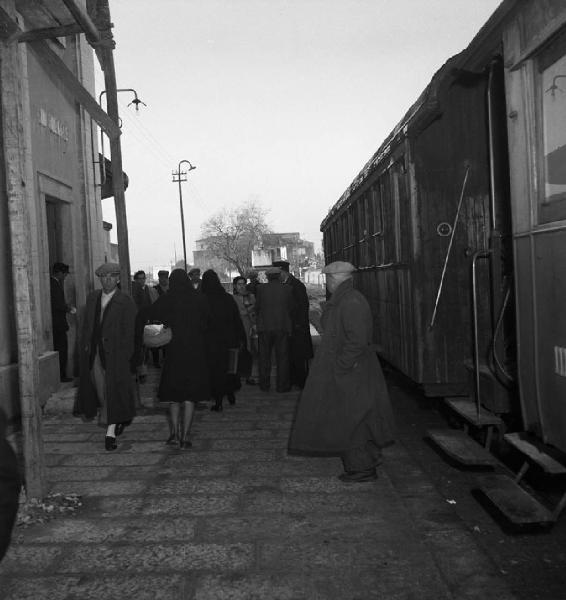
457,224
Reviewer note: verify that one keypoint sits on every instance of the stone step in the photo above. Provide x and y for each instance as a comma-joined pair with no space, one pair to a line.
457,444
518,506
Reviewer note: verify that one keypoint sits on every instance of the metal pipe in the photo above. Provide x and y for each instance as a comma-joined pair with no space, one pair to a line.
433,318
476,255
491,136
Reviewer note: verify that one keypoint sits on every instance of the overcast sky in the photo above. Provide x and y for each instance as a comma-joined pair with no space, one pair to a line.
280,101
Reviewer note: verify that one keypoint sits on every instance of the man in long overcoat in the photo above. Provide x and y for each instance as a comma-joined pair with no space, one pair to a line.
344,409
300,342
106,384
273,308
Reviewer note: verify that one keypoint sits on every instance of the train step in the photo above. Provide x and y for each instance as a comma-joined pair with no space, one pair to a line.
468,410
515,503
458,445
535,452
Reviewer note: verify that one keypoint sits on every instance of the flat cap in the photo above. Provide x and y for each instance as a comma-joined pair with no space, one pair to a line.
273,271
60,267
281,263
163,273
107,269
338,267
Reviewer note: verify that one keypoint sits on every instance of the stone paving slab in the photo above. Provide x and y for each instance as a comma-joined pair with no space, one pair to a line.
158,558
236,518
89,587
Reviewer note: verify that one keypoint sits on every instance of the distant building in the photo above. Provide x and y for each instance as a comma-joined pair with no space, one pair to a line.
274,246
284,246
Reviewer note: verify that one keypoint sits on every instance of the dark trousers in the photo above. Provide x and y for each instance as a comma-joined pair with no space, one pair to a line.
60,345
280,341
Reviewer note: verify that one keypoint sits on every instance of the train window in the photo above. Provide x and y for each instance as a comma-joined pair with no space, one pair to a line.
552,88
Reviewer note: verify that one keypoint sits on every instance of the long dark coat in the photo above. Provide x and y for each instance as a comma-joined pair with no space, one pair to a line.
58,306
345,387
118,341
184,374
301,341
226,331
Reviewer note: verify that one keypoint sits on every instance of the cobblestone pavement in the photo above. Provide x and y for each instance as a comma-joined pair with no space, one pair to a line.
235,517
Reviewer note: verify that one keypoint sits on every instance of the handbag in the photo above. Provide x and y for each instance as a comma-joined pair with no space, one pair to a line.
156,336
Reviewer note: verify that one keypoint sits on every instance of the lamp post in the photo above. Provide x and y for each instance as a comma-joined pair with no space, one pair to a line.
182,176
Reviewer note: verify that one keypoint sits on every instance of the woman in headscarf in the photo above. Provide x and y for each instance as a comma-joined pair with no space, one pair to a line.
246,305
226,333
184,378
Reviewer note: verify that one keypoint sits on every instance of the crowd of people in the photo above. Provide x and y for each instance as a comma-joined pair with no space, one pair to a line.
213,341
220,340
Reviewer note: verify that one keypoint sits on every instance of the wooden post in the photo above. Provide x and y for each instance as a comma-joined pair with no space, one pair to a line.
117,174
19,205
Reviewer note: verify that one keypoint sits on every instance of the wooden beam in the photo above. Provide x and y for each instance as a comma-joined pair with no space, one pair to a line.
19,204
117,173
55,66
49,33
84,20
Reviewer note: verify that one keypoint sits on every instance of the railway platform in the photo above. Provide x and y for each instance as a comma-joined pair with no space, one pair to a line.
235,517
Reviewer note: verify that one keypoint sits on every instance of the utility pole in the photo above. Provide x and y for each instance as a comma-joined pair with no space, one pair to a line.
178,177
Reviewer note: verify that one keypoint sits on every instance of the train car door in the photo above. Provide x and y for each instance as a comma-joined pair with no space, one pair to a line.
537,127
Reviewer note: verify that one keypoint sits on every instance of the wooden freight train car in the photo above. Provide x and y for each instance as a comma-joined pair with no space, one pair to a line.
458,227
413,218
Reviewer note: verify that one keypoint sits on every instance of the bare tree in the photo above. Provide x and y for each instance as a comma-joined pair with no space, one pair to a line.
232,234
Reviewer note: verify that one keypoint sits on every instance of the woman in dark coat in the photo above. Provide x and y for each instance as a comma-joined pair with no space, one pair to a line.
184,378
226,332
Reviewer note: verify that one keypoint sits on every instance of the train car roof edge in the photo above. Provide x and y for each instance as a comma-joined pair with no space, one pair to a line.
426,102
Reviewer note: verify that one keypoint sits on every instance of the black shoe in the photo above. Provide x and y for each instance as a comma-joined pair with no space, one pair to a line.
263,388
216,407
110,443
358,477
172,440
231,398
251,381
141,379
120,429
66,379
186,444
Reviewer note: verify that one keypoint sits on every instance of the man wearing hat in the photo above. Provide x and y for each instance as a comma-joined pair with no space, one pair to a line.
345,408
106,384
300,342
273,309
59,310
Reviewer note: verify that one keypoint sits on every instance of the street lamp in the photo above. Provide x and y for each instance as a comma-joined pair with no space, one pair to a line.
182,176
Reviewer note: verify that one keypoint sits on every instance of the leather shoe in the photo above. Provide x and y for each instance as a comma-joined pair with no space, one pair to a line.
66,379
186,444
231,399
172,439
110,443
119,429
358,477
251,381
